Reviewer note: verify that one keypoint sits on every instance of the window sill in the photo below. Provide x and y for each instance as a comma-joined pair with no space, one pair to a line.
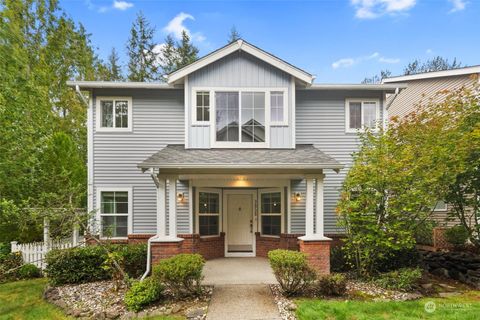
110,130
269,236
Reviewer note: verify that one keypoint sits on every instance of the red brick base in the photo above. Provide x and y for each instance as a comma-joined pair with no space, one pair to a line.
266,244
318,254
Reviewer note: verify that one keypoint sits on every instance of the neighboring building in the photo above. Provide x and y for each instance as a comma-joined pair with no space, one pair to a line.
237,154
422,89
429,86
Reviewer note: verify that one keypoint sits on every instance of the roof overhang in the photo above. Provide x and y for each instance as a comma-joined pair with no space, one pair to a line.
434,74
179,75
119,85
388,88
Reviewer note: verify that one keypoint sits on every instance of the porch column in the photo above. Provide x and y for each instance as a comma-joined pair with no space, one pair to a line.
162,234
314,243
161,212
172,207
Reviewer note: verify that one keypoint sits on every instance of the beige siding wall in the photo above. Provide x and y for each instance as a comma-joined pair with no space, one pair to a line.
424,90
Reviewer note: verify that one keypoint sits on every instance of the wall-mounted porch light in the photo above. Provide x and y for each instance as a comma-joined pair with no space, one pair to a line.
297,196
180,196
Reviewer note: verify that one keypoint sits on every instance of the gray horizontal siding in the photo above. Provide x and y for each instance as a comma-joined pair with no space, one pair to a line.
158,120
297,208
320,120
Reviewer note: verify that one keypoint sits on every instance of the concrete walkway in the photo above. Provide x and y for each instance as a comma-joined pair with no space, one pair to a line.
242,302
241,289
225,271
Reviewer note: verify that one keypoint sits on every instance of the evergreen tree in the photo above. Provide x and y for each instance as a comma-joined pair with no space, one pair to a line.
169,58
113,67
436,64
142,65
187,52
234,35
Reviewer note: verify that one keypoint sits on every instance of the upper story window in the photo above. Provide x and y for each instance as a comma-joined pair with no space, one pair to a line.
114,114
202,110
361,114
278,111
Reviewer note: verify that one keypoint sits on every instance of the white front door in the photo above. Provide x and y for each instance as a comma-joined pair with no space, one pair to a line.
240,233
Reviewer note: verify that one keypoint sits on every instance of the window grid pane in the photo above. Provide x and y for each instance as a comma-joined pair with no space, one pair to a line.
107,113
203,106
369,114
276,105
121,114
227,116
271,203
208,225
209,203
253,117
355,115
271,225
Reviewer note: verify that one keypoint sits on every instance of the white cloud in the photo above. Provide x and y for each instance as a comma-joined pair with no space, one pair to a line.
371,9
349,62
122,5
176,26
458,5
429,51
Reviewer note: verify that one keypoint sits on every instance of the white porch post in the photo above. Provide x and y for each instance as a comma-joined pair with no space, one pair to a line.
172,207
161,206
314,231
309,231
319,207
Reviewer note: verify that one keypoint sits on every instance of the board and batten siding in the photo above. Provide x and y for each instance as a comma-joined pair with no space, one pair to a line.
158,120
320,120
237,70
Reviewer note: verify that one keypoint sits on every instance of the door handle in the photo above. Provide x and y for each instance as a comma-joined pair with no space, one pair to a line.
251,226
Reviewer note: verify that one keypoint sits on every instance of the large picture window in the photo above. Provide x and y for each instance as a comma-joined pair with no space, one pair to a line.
227,116
114,114
361,114
114,212
253,117
208,209
271,211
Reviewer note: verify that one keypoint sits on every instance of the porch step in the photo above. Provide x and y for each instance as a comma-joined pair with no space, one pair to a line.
242,302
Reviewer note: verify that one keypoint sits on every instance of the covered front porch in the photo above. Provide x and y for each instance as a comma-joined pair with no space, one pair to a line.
241,202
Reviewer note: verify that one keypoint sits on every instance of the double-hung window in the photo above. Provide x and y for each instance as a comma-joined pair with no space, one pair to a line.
278,111
114,114
202,106
115,207
208,208
362,114
271,212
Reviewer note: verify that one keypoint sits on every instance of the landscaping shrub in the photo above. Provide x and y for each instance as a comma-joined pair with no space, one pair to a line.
456,236
77,265
10,262
4,249
143,293
181,274
397,259
332,285
338,260
424,232
404,279
29,271
80,265
291,270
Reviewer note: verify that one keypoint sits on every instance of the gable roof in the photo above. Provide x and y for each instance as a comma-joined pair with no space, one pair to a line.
178,75
434,74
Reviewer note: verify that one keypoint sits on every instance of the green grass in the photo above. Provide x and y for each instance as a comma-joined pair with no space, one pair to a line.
463,307
23,300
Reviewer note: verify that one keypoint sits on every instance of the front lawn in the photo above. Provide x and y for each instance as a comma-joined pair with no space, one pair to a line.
464,307
23,300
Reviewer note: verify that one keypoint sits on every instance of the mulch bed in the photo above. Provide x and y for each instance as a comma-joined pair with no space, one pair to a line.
100,300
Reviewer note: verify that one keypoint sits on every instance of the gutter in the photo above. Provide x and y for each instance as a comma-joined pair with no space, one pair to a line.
80,94
397,91
149,258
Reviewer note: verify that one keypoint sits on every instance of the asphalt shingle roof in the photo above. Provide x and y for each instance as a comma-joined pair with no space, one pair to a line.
304,156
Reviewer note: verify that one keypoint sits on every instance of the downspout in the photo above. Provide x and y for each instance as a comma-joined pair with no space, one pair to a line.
80,94
387,106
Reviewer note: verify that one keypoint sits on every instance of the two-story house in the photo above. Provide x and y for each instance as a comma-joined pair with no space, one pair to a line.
236,154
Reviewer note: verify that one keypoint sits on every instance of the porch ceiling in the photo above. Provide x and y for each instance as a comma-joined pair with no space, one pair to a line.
305,158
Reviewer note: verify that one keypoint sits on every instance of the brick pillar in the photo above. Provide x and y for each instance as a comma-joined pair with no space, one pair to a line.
318,254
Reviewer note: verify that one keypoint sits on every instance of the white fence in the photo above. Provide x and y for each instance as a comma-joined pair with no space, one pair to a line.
35,252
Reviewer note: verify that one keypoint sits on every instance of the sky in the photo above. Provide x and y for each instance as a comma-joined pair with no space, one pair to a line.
338,41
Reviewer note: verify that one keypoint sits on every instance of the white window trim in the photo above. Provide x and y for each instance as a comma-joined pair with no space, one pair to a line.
285,109
282,212
212,122
441,209
129,215
193,107
362,101
98,119
197,211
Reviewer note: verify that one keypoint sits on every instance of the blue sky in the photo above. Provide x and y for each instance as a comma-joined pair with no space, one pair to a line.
339,41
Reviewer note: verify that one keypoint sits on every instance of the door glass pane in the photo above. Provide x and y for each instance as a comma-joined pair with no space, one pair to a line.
106,113
355,115
253,117
227,116
271,202
121,114
209,203
370,114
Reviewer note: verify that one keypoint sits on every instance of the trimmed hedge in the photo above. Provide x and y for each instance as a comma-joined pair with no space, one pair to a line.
9,262
143,293
456,236
80,265
181,274
291,270
29,271
334,284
